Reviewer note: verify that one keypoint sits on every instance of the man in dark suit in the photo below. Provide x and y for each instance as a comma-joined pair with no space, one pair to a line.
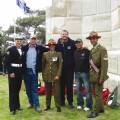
32,64
14,66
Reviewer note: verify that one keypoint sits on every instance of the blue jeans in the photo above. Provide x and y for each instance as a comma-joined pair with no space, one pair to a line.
83,78
31,84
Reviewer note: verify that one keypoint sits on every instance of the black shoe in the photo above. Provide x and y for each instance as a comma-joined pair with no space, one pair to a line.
47,108
62,104
19,109
92,115
58,109
71,106
13,112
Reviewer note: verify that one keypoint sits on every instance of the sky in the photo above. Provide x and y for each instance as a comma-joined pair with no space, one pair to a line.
9,11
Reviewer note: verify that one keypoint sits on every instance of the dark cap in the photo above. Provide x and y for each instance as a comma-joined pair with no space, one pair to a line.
78,41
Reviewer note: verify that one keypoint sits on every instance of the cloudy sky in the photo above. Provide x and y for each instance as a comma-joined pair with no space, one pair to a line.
9,11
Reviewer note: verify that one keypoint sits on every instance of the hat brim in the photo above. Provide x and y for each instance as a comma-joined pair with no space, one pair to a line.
51,44
33,38
89,37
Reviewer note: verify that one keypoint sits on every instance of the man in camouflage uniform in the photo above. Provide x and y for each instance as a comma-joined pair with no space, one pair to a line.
98,72
51,71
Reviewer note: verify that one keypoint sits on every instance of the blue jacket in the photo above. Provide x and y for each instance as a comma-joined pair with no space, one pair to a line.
67,49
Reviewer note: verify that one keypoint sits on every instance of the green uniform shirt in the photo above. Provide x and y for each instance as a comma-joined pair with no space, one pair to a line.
51,65
100,59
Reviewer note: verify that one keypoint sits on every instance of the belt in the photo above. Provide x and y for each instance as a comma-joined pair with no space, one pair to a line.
16,65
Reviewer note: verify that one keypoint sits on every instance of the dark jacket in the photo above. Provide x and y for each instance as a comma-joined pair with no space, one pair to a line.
13,57
81,57
39,49
67,49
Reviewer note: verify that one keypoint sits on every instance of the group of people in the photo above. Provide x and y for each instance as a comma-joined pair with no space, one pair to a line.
58,62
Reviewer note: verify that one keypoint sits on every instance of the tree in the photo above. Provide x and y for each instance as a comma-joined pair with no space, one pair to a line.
11,29
35,19
41,34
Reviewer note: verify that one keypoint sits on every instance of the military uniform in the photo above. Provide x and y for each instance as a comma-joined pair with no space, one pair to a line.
51,67
14,65
100,59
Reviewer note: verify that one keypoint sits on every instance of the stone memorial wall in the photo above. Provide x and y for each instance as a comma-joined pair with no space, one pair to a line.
80,17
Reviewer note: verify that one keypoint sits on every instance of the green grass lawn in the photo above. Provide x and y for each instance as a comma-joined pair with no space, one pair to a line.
30,114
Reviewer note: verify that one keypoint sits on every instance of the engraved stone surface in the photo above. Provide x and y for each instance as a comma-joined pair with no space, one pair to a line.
103,6
74,8
102,22
106,40
113,64
115,18
116,39
89,7
119,64
87,24
114,4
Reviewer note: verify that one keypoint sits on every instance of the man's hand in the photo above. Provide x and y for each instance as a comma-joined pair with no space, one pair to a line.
101,81
12,75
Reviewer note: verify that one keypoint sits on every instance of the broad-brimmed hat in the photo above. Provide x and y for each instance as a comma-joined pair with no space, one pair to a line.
93,34
51,42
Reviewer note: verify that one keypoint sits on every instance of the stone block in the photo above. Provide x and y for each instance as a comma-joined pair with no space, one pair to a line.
106,40
74,8
103,6
115,19
119,64
89,7
116,39
114,4
55,24
113,64
102,22
48,25
72,24
87,24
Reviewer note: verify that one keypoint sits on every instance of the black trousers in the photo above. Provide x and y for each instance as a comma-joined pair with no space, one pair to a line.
67,85
14,89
